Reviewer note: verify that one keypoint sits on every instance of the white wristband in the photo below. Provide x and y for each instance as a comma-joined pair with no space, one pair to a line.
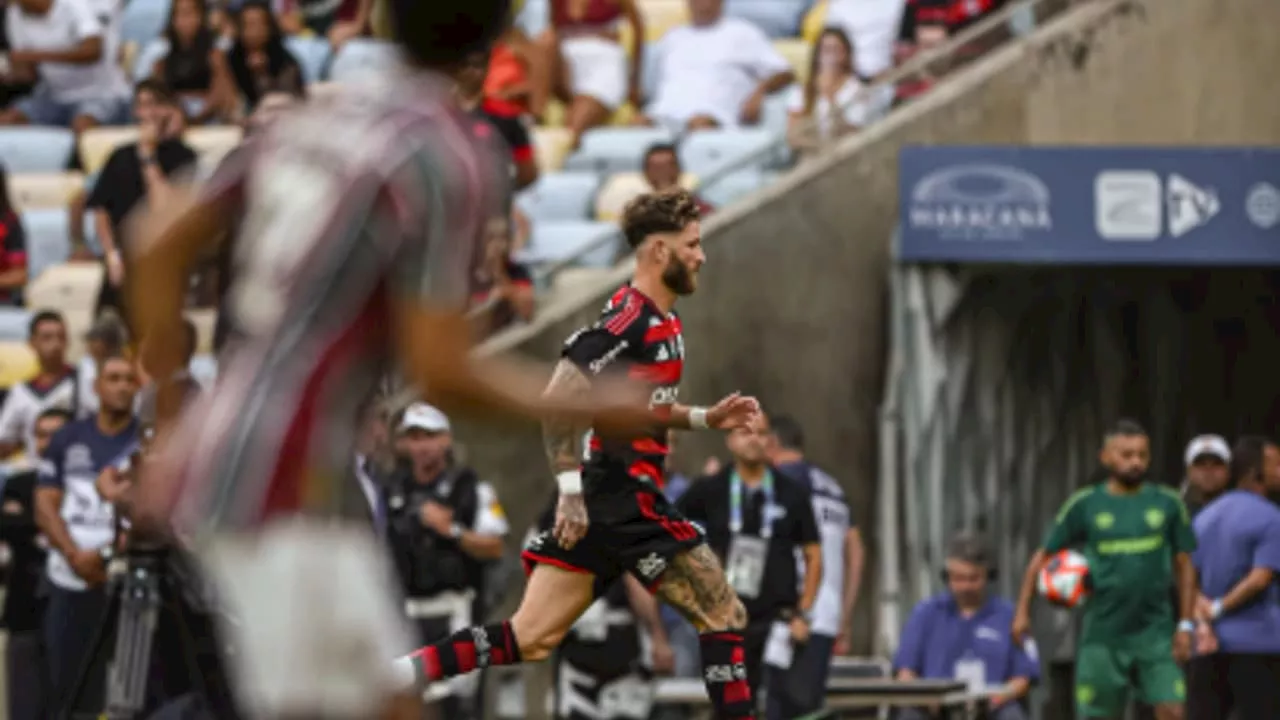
1215,609
698,418
570,482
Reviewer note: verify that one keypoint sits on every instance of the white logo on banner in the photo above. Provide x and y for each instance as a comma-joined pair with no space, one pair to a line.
1263,205
1189,206
1126,205
981,202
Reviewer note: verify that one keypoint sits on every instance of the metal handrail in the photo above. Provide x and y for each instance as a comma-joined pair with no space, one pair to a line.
917,65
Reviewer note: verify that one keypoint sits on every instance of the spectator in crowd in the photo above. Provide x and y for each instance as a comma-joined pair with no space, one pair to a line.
134,173
446,525
842,558
13,247
963,633
80,525
337,20
55,385
833,102
756,519
581,60
662,171
604,669
1207,458
516,143
506,84
715,72
1238,559
105,338
23,613
195,68
10,87
260,63
503,282
69,46
370,442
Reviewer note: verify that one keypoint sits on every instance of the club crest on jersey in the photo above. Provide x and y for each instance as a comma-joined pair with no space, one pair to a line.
651,566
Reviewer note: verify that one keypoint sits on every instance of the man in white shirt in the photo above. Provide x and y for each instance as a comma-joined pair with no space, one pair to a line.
714,72
70,46
56,384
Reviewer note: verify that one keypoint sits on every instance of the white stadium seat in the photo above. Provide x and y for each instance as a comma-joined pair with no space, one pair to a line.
534,17
14,323
708,151
359,57
725,190
36,191
35,149
777,18
68,286
143,20
48,239
312,54
560,196
610,149
204,368
553,241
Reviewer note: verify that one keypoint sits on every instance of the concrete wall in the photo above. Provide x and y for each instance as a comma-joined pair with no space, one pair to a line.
792,304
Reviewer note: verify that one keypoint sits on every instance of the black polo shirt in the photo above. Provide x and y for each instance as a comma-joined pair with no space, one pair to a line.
706,502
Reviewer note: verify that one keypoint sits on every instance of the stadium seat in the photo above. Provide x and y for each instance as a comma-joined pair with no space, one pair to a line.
213,142
534,17
550,145
48,239
14,324
662,15
359,57
96,145
17,363
814,22
312,54
798,53
38,191
610,150
554,241
555,114
559,196
778,18
204,368
205,321
710,151
143,20
621,188
67,286
146,60
729,188
35,149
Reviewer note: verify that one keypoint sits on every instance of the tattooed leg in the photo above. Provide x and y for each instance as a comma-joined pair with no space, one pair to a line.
695,585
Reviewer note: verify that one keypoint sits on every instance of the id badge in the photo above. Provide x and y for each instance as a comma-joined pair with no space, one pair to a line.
972,672
745,566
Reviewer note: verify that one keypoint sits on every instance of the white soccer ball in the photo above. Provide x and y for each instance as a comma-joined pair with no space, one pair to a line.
1064,580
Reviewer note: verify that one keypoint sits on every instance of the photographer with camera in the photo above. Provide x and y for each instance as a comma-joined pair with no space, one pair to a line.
80,525
445,526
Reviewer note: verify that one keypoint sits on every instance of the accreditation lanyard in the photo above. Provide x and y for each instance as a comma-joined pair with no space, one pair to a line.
735,505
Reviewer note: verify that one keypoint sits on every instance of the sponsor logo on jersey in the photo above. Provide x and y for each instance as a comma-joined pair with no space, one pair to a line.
603,361
665,395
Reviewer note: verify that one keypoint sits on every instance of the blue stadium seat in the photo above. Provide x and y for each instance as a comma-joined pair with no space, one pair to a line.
726,190
204,368
560,196
608,150
534,17
35,149
312,54
143,20
14,324
558,240
48,239
147,58
708,151
359,57
777,18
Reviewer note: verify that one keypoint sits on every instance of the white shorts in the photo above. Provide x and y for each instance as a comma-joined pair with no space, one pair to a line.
597,69
316,623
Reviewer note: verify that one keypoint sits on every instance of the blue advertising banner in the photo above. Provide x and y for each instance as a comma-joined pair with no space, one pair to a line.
1090,205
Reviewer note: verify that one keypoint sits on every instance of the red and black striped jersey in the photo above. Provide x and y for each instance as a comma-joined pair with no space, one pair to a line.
633,337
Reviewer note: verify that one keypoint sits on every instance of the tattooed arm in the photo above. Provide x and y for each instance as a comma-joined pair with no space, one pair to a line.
561,436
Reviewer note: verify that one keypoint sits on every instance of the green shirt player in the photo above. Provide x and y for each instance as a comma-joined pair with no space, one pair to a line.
1138,540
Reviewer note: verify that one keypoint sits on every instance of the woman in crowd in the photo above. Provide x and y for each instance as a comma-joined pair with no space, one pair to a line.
260,62
194,68
505,286
580,59
833,101
13,247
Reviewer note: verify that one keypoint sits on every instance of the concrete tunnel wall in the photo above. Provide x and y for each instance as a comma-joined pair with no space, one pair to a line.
793,298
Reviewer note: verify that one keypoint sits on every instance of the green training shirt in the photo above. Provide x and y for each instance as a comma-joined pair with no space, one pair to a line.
1130,542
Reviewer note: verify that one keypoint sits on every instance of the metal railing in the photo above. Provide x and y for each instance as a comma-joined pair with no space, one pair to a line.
1013,21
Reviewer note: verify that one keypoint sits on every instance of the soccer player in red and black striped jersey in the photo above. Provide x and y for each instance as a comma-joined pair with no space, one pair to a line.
356,225
611,517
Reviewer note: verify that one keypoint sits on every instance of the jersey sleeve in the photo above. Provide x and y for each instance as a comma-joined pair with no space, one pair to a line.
593,349
1069,527
12,427
50,468
1182,537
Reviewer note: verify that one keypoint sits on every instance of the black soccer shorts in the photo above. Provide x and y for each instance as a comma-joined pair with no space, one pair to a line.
632,528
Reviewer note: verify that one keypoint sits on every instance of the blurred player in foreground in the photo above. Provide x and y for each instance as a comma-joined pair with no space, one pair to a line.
355,226
612,518
1138,540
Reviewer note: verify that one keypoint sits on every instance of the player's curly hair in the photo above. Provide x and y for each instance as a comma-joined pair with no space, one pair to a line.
668,211
441,34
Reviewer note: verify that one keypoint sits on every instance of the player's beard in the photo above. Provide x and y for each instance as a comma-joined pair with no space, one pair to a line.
1130,478
677,277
